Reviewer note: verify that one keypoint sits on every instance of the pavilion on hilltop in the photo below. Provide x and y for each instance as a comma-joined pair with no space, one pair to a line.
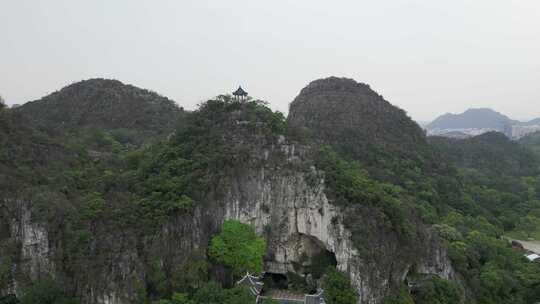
240,94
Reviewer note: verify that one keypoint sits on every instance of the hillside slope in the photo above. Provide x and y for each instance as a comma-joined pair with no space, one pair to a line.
102,104
490,152
154,209
359,124
349,183
531,141
354,117
501,176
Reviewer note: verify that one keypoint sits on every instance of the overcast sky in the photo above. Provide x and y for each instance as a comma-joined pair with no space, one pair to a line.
425,56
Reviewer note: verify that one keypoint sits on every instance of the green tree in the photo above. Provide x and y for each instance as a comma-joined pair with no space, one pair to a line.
156,279
190,275
2,103
337,288
5,271
9,299
211,293
46,292
181,298
528,225
238,248
177,298
402,297
438,291
238,295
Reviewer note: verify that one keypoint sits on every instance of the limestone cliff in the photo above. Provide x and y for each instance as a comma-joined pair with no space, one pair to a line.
270,181
286,204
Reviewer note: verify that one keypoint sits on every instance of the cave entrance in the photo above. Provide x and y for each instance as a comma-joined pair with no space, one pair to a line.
282,288
275,281
320,263
315,258
307,271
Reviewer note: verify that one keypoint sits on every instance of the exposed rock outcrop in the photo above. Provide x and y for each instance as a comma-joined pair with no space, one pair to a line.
275,187
286,205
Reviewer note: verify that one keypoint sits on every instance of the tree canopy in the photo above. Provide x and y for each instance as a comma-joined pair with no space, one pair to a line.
337,288
238,248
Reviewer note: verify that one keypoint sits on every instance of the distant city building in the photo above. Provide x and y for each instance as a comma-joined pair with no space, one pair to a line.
521,131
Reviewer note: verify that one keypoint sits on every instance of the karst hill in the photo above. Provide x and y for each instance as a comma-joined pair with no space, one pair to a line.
358,122
347,182
103,104
352,116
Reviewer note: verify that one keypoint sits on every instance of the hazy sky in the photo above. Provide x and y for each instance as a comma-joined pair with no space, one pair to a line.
426,56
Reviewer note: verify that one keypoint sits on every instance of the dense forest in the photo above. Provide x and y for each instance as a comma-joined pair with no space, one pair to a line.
91,179
531,141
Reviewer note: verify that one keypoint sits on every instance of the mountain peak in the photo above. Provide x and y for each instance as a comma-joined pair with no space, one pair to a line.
355,120
104,104
337,84
478,118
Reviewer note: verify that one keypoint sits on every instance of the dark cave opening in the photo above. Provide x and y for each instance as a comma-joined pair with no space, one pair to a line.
315,260
275,281
321,261
307,273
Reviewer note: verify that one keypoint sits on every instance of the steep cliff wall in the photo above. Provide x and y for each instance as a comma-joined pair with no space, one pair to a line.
288,206
107,248
281,196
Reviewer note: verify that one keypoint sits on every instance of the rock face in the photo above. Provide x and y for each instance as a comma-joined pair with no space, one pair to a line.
276,188
285,204
300,210
33,244
34,241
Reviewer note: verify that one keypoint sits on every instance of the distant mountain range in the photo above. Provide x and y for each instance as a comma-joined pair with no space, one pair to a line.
478,121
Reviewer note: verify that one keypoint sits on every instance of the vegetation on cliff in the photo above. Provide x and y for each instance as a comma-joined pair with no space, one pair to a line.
351,187
360,124
238,248
98,189
501,178
531,141
501,181
337,288
105,105
472,190
171,176
84,187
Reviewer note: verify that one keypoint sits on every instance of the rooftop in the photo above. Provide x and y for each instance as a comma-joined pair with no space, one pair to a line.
240,92
532,257
281,296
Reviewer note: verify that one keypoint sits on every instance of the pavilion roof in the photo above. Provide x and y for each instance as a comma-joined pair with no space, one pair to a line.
240,92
